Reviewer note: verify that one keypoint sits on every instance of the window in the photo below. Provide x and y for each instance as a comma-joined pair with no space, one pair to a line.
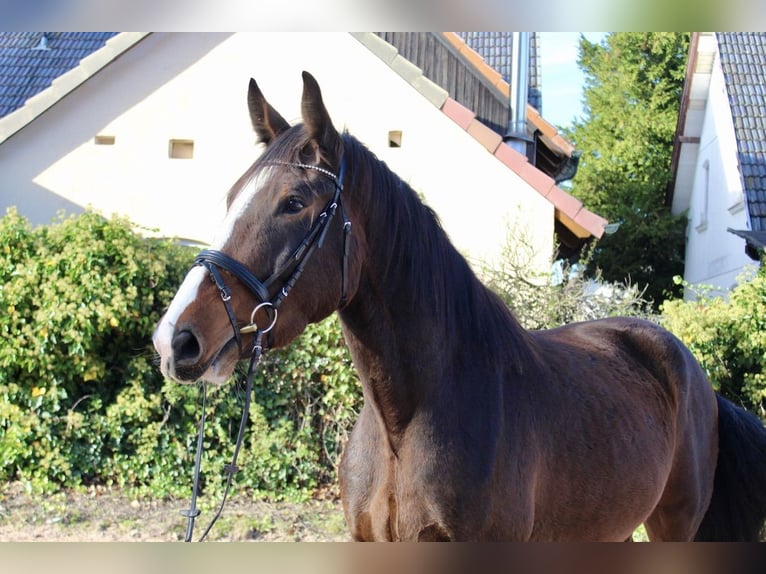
102,139
181,149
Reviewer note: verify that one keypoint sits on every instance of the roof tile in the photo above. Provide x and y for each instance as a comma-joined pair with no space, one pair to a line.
25,71
564,202
458,113
537,179
743,61
496,49
595,224
510,157
487,137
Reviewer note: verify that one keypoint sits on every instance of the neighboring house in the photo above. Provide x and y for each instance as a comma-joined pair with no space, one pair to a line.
155,127
719,157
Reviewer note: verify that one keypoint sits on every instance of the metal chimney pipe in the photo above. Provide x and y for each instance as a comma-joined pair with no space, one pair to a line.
517,136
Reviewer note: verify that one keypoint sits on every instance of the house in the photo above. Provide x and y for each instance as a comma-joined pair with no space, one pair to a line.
719,157
155,127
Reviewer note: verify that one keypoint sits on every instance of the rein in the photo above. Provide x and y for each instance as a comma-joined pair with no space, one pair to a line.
213,261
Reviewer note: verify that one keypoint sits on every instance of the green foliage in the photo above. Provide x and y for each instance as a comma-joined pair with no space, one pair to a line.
81,401
728,337
78,300
632,96
313,385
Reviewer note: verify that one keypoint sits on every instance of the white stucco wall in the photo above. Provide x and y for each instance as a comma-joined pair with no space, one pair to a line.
713,255
193,86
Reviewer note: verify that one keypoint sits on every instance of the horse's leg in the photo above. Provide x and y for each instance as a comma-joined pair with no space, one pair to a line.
679,513
685,499
689,487
364,475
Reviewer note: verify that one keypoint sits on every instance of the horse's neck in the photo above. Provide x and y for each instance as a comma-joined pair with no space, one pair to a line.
419,316
395,359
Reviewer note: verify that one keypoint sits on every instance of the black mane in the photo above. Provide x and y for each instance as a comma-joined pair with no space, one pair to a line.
422,261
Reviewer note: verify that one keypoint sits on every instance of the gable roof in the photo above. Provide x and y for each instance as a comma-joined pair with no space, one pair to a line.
742,56
30,61
578,224
743,60
448,60
74,56
575,223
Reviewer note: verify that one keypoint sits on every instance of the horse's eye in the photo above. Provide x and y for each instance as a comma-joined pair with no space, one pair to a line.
294,205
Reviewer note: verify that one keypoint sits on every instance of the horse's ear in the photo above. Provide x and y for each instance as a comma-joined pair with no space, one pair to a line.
317,121
267,122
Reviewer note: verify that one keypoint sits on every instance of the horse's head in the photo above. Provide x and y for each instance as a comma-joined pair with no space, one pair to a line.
285,232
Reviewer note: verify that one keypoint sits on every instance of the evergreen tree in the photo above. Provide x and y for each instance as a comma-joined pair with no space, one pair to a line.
632,95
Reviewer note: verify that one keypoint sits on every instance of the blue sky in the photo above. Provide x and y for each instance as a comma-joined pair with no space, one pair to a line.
562,80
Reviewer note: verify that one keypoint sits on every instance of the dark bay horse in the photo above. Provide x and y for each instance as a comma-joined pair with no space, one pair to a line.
472,428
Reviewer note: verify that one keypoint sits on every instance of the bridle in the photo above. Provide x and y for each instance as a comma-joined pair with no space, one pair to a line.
293,267
212,260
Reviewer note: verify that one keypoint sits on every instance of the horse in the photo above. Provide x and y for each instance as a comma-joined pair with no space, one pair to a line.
472,428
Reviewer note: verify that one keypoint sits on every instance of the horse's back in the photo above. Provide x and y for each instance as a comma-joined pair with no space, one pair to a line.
631,353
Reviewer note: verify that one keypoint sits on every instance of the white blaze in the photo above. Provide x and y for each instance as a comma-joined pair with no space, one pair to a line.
189,289
239,207
163,335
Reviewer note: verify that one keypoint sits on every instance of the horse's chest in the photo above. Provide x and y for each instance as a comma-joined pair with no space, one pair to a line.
388,511
386,497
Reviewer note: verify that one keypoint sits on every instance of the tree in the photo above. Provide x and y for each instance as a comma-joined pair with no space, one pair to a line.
632,95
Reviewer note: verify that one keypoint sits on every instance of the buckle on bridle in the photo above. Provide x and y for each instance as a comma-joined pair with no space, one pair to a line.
253,327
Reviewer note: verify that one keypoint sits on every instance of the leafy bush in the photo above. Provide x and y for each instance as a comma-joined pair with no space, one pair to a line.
728,337
79,299
81,401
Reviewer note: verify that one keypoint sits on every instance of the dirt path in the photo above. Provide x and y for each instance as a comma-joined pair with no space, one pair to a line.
101,515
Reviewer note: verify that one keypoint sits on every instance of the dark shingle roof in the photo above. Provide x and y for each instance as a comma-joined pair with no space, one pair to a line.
25,71
743,59
496,49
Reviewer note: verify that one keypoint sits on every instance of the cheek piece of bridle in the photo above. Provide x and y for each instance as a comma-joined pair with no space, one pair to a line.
292,269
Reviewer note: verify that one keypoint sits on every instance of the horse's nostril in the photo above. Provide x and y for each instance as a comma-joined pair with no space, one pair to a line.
186,348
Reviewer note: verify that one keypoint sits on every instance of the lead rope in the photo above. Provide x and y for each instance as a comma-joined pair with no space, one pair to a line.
230,469
193,512
212,259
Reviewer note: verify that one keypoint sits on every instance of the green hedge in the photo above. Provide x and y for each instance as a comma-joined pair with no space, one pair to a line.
82,400
728,337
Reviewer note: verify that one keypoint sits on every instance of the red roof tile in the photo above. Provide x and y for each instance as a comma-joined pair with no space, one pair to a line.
458,113
496,79
510,157
489,138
